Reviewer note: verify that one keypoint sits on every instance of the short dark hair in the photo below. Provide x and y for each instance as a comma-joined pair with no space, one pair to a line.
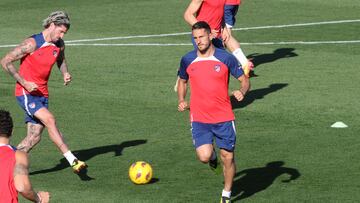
6,124
201,25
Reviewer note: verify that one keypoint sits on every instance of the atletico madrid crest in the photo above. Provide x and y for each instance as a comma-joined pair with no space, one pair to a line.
55,53
32,105
217,68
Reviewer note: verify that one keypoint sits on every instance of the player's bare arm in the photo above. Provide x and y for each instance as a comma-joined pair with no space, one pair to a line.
26,47
190,12
181,91
22,182
61,63
244,88
64,70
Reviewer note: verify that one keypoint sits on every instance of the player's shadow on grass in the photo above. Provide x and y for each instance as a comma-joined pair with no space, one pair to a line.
280,53
253,180
86,154
253,95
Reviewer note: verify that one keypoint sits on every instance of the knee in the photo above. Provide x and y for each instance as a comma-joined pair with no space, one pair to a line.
204,158
227,157
49,121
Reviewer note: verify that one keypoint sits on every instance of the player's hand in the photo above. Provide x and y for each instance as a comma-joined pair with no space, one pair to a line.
67,78
238,95
214,33
43,196
225,34
30,86
183,105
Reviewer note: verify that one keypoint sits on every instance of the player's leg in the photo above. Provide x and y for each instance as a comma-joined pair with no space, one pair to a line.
48,119
233,45
203,143
32,138
229,169
204,152
207,154
225,136
30,104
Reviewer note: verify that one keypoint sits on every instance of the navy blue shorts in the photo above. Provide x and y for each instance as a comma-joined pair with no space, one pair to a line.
30,104
230,12
223,133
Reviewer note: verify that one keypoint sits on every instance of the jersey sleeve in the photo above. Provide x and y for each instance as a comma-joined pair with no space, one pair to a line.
182,70
39,40
234,66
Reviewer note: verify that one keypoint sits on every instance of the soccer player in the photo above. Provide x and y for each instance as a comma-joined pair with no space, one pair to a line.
208,68
212,12
14,165
37,55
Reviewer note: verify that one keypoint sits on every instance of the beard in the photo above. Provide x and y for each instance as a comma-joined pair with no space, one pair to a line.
205,49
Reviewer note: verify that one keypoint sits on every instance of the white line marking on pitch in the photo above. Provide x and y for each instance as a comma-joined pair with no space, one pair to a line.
189,44
69,42
188,33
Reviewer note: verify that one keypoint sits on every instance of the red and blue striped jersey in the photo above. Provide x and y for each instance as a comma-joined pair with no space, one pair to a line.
36,67
209,84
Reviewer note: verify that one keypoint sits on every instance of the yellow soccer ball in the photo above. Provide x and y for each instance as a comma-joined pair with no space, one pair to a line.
140,172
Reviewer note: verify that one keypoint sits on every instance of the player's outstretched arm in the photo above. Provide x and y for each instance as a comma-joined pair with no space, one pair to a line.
22,181
26,47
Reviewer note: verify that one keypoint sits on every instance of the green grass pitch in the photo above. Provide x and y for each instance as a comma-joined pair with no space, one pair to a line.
121,108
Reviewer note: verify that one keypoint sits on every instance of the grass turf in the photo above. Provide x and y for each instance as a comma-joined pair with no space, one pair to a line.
120,107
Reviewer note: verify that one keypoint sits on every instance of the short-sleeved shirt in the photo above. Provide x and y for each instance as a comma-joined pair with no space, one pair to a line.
36,67
212,12
209,81
8,192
